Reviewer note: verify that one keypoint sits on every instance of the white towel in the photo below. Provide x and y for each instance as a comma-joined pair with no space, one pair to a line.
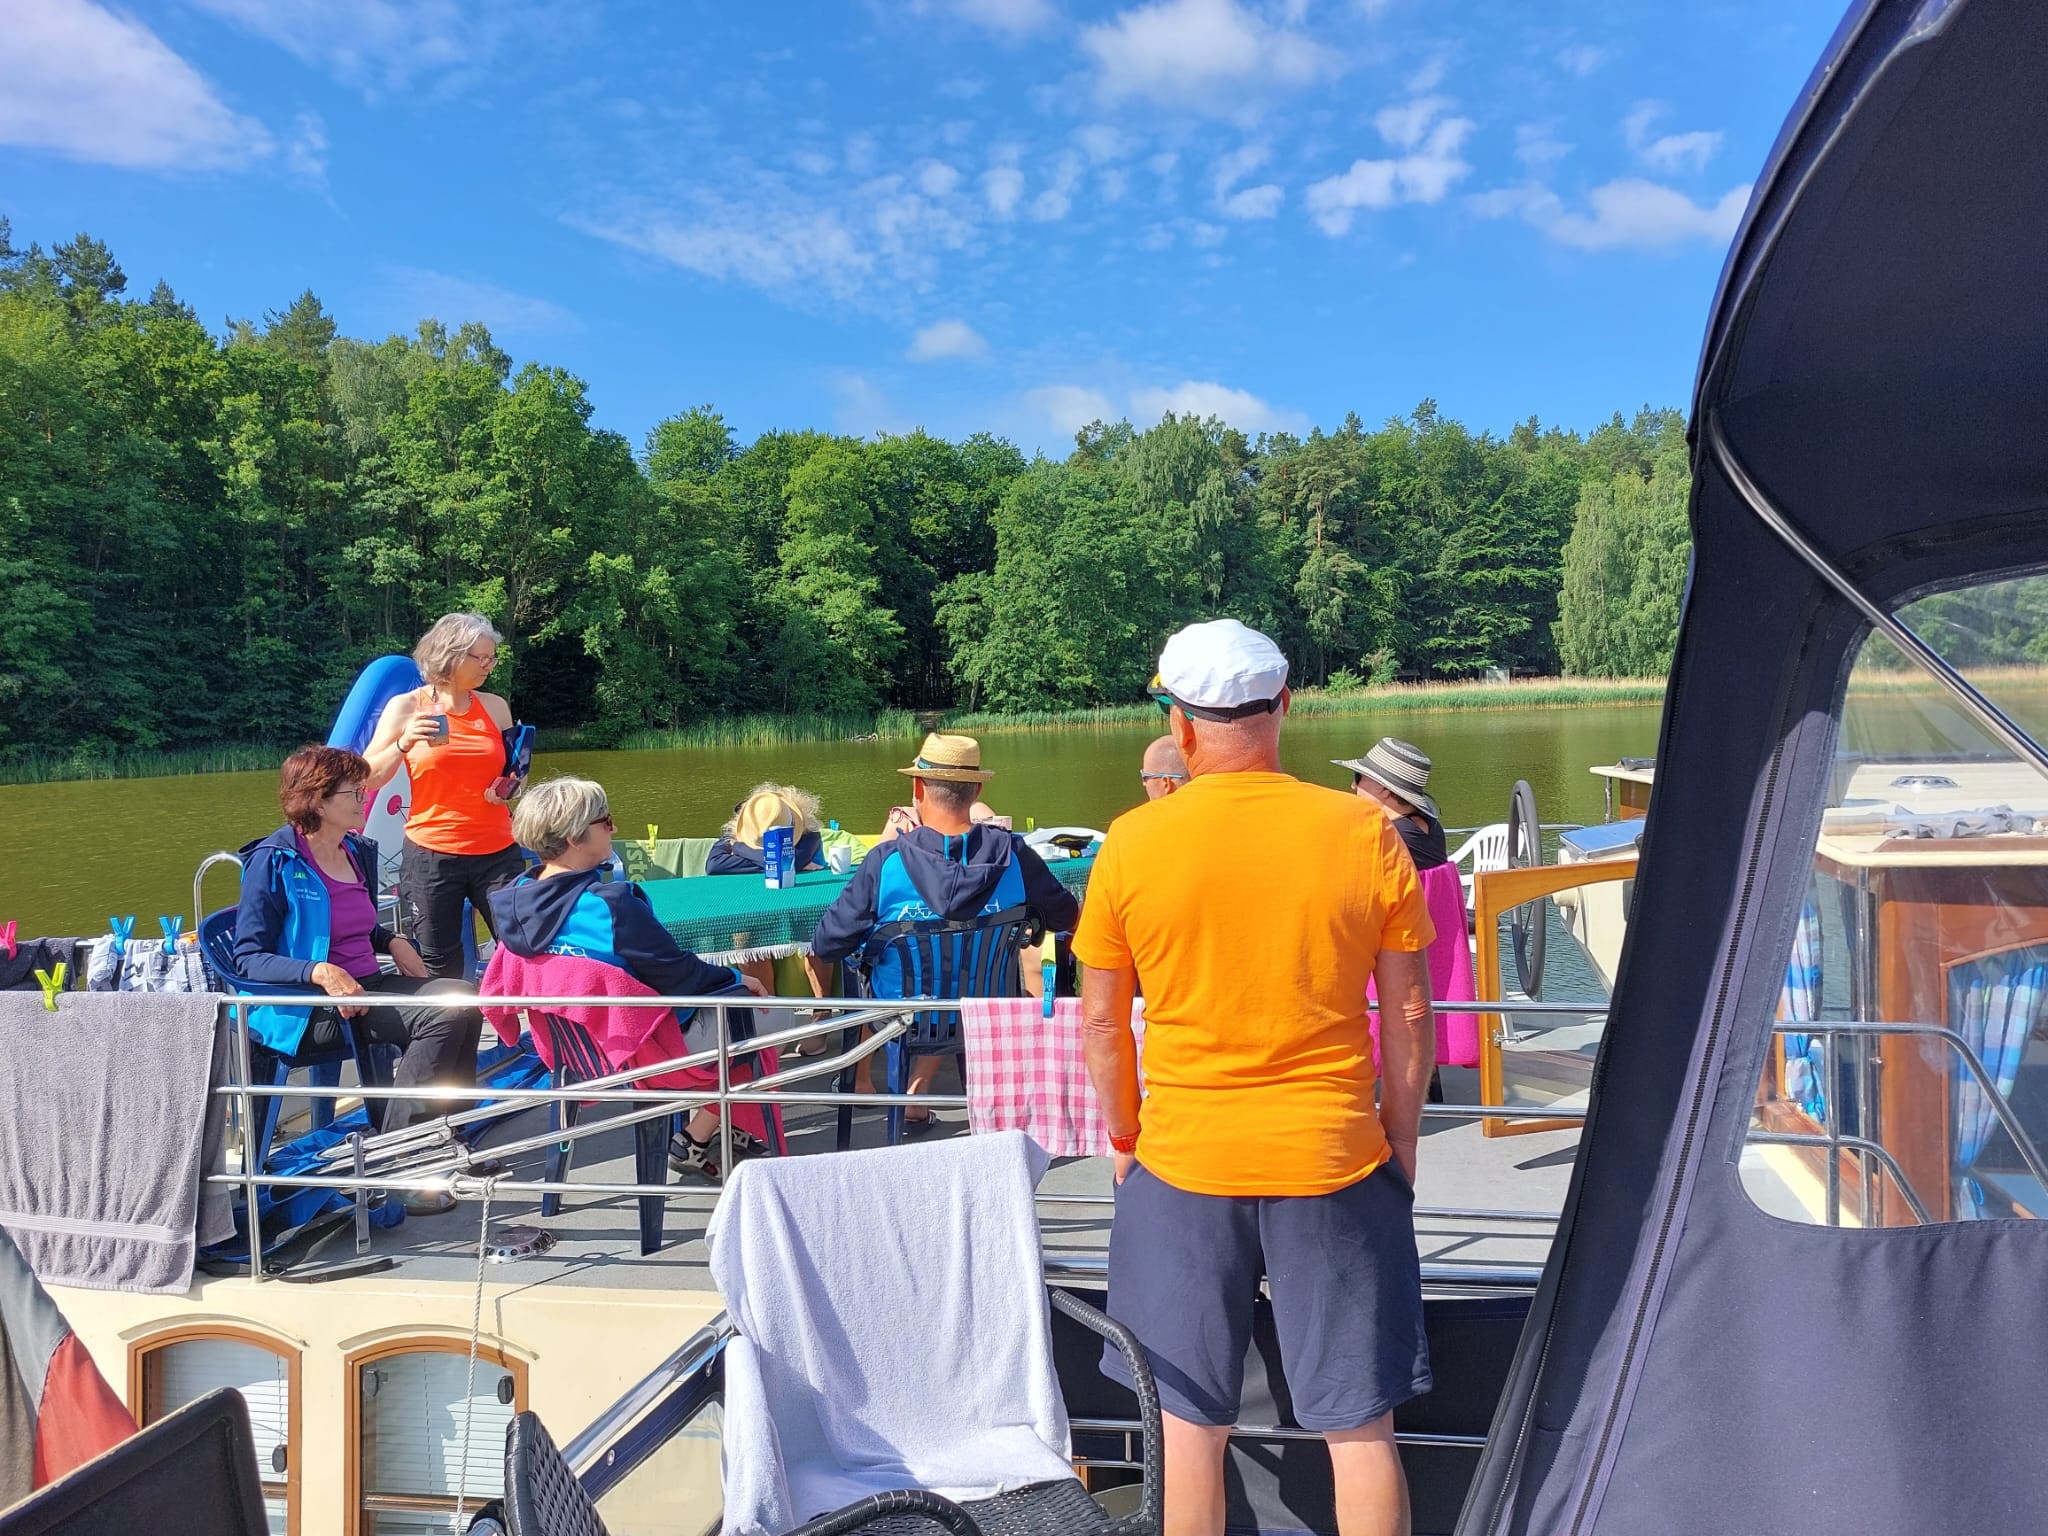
894,1329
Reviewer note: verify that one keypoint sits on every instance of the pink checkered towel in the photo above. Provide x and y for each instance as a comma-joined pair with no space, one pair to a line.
1026,1073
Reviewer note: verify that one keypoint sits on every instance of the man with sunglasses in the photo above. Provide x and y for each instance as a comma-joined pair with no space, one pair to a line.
1164,770
1253,909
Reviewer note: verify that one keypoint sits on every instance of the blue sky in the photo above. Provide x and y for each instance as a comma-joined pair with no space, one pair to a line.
1005,215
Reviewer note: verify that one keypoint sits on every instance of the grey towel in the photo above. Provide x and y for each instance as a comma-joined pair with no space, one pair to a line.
107,1124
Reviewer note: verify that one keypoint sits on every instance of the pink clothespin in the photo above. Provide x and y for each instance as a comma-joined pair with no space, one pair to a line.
7,937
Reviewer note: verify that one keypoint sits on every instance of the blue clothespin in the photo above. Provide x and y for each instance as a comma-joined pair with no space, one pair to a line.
121,928
1048,972
172,927
52,982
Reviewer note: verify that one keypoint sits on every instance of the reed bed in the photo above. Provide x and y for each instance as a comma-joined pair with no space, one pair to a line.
1537,693
775,731
38,766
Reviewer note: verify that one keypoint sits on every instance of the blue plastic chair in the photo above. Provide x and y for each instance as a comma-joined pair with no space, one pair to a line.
936,958
266,1066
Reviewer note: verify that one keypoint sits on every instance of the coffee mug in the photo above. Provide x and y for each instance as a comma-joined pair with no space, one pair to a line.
839,859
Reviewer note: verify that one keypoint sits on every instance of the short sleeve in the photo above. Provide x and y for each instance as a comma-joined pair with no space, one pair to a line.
1406,926
1099,941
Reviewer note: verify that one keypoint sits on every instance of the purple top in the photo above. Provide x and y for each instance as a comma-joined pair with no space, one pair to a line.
350,917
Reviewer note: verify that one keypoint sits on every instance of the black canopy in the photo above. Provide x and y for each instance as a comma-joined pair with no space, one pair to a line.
1877,363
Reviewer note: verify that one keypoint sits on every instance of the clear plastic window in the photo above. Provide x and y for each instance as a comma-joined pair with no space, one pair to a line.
1906,1079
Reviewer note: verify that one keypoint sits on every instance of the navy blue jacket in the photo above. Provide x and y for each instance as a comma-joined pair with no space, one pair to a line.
925,874
729,856
585,916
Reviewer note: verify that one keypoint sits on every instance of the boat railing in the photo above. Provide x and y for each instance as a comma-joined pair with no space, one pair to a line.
432,1154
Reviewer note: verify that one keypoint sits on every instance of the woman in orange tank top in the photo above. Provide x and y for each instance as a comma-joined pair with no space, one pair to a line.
450,735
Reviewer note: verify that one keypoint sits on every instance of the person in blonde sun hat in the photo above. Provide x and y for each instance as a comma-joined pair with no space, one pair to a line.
947,866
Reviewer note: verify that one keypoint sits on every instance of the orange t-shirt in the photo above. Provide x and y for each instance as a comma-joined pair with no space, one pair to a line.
449,812
1252,907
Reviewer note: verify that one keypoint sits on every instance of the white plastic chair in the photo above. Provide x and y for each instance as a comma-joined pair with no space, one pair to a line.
1487,849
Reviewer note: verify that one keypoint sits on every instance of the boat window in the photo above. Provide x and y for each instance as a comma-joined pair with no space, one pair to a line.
1905,1078
424,1435
184,1368
674,1491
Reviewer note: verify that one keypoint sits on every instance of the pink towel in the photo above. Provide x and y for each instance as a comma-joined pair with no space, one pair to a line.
1026,1073
625,1036
1450,971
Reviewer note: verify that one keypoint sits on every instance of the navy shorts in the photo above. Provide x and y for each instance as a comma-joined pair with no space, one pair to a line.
1345,1280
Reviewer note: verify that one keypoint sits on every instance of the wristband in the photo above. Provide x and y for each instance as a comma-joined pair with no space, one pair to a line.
1124,1144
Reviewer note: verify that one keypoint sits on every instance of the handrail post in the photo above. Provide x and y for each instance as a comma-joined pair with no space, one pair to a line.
245,1107
724,1100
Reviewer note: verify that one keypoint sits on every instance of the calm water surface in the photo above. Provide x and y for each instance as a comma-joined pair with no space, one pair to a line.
72,854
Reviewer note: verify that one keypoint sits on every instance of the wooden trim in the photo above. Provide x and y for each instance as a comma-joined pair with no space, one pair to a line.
1494,891
352,1409
142,1347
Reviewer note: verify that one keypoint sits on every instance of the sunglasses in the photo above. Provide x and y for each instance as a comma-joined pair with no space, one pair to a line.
1170,778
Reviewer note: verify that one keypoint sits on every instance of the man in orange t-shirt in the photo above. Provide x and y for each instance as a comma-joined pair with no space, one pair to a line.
1253,909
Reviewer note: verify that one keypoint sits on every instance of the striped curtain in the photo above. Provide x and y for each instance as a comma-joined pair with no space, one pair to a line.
1994,1005
1799,1003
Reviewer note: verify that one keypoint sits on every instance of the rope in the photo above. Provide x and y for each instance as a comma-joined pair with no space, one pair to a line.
476,1327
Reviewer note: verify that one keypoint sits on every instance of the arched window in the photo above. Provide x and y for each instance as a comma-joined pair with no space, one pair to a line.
170,1369
410,1407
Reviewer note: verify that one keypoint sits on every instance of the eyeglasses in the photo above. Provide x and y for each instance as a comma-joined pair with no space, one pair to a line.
1170,778
488,663
360,794
606,822
1164,701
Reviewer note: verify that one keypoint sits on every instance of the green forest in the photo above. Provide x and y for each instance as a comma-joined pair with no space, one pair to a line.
204,534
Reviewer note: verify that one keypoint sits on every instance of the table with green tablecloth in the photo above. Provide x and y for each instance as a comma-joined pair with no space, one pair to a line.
736,918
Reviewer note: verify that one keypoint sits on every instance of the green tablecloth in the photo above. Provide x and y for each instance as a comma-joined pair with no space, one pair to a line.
736,917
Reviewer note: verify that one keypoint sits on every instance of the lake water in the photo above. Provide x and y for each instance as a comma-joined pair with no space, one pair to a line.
72,854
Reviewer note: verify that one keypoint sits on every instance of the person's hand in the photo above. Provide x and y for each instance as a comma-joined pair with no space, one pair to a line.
1125,1162
419,731
755,985
1403,1148
492,797
335,982
406,956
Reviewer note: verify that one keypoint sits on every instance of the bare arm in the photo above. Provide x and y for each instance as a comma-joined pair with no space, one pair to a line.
1111,1051
499,711
393,736
1407,1048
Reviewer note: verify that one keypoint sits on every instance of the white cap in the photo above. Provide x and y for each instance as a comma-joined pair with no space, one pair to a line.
1222,664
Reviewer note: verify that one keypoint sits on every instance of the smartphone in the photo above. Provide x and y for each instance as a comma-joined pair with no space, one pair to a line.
505,785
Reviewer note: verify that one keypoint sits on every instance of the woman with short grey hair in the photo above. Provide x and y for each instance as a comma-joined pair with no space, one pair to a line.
449,736
565,907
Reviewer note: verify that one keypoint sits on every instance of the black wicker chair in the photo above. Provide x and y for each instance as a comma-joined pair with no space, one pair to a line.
543,1497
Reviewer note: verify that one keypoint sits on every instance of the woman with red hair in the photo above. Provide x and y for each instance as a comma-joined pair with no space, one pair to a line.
308,921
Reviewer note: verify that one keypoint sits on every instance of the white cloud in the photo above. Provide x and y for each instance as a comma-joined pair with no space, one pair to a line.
1208,55
415,293
80,81
1012,18
1405,124
1003,186
1671,152
388,44
1261,202
1626,214
947,340
1203,398
935,178
860,154
1206,235
861,408
1428,78
1067,408
1113,184
1423,174
1581,59
813,162
1537,144
1101,143
306,155
1057,200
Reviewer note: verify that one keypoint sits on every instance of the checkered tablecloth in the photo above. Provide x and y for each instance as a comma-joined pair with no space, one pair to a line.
1026,1073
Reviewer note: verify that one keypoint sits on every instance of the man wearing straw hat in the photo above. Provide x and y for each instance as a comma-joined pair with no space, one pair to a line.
950,865
1253,909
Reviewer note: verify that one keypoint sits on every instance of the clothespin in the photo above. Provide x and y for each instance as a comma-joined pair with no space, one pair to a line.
1048,972
7,937
653,833
121,928
172,927
52,982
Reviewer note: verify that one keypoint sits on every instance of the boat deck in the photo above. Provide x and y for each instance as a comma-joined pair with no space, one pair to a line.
597,1236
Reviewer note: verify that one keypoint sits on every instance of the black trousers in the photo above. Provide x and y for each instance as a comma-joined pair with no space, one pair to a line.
437,1045
432,888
